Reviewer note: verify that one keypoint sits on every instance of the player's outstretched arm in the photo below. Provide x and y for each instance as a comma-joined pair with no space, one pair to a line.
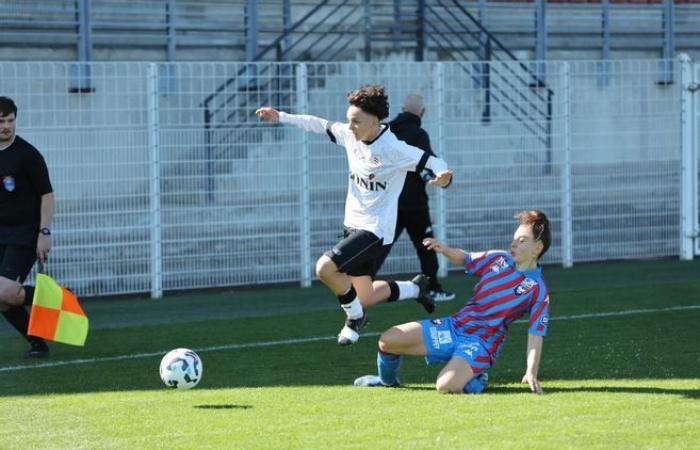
534,352
268,114
304,121
442,179
443,175
454,255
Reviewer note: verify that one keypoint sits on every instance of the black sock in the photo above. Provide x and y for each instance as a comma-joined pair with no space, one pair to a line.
348,297
19,319
394,288
28,295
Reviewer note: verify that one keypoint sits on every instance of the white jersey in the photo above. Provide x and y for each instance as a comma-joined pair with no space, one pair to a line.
377,171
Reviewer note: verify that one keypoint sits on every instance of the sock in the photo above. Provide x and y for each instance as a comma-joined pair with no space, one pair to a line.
354,309
394,288
388,366
28,295
407,289
474,386
19,319
351,304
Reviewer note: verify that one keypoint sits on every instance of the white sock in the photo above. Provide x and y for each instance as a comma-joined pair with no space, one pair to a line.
353,309
407,289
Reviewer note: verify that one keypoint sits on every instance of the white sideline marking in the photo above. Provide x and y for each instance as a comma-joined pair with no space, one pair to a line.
214,348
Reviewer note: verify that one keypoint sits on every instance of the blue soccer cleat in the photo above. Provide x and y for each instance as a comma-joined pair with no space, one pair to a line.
372,381
477,385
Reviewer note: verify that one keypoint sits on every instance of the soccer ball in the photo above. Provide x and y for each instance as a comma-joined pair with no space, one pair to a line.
181,369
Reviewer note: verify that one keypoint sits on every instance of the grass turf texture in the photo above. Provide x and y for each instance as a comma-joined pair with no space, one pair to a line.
617,381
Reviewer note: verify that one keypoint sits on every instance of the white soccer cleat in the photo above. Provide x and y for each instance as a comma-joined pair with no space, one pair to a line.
349,334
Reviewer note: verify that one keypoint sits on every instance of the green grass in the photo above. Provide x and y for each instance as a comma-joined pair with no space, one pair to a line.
617,381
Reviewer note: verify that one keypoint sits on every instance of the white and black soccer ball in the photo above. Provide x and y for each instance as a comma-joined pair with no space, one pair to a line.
181,369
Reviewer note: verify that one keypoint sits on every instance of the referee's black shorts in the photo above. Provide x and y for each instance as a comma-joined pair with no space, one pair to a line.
359,253
16,261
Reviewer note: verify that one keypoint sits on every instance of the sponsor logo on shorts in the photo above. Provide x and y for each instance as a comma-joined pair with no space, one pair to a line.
9,183
525,286
336,251
439,337
436,321
444,337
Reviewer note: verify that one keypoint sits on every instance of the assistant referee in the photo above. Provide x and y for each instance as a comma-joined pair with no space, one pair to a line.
26,212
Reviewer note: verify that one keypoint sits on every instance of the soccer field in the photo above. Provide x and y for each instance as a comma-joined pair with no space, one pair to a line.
620,369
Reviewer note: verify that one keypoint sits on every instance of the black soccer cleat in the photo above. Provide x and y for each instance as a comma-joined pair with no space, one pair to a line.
39,350
349,334
424,297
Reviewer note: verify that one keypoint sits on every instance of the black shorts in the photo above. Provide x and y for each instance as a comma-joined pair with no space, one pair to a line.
16,261
359,253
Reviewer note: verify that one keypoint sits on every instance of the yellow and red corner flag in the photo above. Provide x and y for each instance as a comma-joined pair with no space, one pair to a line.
56,314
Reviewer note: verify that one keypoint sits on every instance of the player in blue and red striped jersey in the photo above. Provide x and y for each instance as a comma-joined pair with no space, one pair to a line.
470,340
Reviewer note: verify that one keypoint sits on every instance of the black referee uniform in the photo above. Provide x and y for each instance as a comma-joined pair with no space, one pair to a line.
414,212
24,179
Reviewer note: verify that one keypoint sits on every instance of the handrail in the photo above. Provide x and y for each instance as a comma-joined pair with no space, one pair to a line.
260,54
498,43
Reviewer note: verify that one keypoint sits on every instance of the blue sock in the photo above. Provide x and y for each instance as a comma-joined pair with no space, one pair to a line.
475,386
388,366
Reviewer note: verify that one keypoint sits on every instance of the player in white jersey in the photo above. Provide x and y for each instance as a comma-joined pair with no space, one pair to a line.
378,163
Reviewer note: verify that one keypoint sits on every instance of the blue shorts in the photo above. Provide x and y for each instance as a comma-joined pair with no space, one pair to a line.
442,344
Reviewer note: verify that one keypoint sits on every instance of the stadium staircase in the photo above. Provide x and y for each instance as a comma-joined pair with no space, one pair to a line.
510,87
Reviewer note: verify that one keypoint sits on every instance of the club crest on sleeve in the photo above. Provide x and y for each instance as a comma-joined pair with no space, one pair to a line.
525,286
8,183
499,264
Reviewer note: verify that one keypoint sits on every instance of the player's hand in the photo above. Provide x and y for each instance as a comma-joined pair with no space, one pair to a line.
442,178
43,247
268,114
434,244
531,380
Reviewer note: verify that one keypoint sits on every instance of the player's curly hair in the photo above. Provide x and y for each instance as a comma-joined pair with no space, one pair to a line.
371,99
540,227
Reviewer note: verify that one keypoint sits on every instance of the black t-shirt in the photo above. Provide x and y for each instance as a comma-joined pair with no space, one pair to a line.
24,178
406,126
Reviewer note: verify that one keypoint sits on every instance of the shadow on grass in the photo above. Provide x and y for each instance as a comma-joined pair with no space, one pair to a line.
223,406
688,393
510,390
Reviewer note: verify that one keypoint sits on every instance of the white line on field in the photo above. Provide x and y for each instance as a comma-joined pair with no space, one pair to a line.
214,348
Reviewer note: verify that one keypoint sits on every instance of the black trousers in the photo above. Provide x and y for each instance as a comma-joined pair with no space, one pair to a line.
418,225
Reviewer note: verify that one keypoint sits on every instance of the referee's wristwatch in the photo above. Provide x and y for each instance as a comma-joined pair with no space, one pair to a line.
45,231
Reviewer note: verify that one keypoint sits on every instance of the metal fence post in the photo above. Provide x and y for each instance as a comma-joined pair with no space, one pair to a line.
689,159
567,228
669,46
603,66
421,35
305,198
540,39
367,30
81,76
154,204
441,223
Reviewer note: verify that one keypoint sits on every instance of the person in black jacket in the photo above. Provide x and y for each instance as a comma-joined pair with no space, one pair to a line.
26,211
414,213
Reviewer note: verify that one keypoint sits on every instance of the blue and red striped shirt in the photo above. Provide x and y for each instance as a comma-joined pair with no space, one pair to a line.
502,295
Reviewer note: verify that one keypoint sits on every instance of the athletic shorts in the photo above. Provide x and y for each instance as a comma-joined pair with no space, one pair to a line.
359,253
16,261
443,344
